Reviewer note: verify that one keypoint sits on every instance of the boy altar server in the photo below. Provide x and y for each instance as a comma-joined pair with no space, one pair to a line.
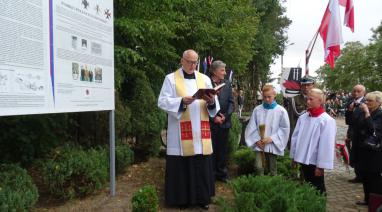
313,140
189,176
267,132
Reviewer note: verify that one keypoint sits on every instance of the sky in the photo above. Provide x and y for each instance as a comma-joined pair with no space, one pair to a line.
306,17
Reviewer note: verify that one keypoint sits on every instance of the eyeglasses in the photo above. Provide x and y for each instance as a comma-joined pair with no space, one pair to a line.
369,100
189,62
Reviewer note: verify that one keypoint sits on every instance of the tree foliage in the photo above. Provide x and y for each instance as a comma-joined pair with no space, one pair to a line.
24,138
271,39
269,42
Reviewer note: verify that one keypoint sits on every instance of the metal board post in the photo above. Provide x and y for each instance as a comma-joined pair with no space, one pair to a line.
112,152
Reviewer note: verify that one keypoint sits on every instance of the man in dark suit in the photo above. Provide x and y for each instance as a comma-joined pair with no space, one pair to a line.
353,112
221,123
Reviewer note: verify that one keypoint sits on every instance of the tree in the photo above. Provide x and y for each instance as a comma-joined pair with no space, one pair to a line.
268,42
224,29
374,58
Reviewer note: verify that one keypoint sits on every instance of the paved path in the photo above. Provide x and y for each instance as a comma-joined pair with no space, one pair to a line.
342,195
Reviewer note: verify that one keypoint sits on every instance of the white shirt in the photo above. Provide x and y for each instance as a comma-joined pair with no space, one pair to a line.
169,101
276,126
313,140
359,100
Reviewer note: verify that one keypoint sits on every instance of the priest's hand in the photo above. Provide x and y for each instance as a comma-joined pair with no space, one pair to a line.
318,172
260,144
209,98
267,140
188,100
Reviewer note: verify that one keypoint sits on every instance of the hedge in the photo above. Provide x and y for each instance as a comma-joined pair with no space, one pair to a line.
73,172
272,193
17,191
145,200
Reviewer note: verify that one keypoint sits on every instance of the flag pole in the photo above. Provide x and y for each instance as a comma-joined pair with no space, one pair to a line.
308,52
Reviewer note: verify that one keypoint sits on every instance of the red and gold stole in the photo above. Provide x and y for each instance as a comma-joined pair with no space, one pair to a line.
186,136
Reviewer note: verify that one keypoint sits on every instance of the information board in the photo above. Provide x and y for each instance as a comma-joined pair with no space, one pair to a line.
56,56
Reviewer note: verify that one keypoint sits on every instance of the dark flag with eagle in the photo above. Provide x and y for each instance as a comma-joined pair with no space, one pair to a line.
290,81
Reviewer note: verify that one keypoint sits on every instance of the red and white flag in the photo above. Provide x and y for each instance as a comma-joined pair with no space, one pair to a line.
342,153
331,32
349,13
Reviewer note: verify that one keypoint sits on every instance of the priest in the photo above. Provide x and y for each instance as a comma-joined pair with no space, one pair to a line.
271,142
189,179
313,140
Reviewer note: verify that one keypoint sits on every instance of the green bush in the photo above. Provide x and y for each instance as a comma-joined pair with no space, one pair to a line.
145,199
245,159
72,172
284,167
147,119
89,129
267,193
122,119
124,157
233,139
24,138
17,191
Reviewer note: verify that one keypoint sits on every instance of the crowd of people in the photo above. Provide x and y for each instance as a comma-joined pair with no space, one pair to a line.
335,103
198,129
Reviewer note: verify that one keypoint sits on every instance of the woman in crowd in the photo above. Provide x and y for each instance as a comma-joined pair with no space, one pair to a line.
368,124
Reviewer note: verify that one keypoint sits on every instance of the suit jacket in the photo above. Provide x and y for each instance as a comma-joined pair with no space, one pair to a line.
350,117
367,160
226,103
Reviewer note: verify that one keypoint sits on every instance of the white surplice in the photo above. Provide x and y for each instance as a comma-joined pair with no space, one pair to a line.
313,140
276,126
169,101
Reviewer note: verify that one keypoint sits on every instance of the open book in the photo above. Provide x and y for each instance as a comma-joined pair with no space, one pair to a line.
205,91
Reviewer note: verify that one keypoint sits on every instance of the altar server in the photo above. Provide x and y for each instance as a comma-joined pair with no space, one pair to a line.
313,140
267,132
